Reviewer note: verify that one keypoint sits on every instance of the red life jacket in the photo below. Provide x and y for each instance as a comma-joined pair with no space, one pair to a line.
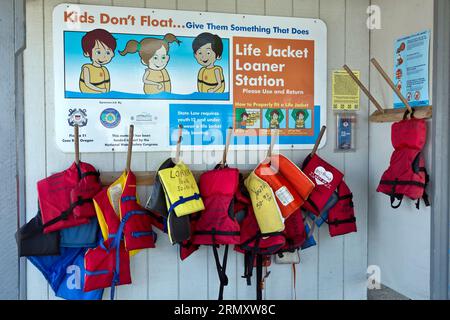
217,224
65,198
326,179
122,196
406,175
341,217
101,268
124,231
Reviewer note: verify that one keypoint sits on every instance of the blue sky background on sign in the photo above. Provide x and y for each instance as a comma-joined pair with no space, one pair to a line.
124,70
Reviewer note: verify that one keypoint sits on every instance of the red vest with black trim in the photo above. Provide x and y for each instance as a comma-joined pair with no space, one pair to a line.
341,217
406,175
65,198
217,224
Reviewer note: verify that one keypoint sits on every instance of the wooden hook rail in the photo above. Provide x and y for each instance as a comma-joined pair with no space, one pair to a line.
77,143
180,139
227,147
273,138
130,147
364,89
391,84
319,139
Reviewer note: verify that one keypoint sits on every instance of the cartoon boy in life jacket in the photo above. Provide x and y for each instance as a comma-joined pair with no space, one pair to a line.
302,115
208,48
274,122
99,46
244,118
154,54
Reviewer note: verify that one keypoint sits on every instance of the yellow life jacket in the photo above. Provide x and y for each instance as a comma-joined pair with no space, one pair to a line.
181,190
207,79
162,77
264,205
98,76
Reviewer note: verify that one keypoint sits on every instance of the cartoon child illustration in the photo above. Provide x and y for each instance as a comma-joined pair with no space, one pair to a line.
154,54
300,119
274,119
244,118
208,48
99,46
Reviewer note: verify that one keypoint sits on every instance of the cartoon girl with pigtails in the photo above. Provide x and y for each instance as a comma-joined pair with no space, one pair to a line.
154,54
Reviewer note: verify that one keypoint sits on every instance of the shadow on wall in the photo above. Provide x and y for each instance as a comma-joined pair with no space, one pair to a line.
385,293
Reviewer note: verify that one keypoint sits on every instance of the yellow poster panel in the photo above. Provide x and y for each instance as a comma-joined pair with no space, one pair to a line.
345,92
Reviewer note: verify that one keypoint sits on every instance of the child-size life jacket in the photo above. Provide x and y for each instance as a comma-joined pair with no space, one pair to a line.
126,227
290,185
326,179
120,201
65,198
32,241
177,228
265,207
341,217
181,190
217,224
406,175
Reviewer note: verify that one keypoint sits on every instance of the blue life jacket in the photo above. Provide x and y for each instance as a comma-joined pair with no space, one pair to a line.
53,268
72,284
83,236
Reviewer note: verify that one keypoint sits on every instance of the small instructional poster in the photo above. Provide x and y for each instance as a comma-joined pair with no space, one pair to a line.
345,92
159,69
411,69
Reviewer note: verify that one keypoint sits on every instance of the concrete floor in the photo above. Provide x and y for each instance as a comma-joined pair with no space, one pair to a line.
385,293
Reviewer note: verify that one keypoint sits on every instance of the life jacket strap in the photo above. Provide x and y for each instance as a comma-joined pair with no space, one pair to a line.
116,245
65,214
89,174
96,83
259,277
221,268
343,221
182,200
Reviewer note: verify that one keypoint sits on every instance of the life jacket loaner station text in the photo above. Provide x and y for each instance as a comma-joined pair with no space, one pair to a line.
271,52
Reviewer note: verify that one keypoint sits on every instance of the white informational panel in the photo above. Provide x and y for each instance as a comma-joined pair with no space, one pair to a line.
159,69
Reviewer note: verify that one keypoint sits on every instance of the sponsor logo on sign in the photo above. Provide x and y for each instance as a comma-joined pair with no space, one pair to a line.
110,118
77,116
322,176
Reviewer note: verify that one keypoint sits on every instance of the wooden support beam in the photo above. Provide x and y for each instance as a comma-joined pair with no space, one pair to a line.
394,115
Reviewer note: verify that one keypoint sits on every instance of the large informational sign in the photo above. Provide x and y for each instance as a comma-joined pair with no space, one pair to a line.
159,69
411,69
